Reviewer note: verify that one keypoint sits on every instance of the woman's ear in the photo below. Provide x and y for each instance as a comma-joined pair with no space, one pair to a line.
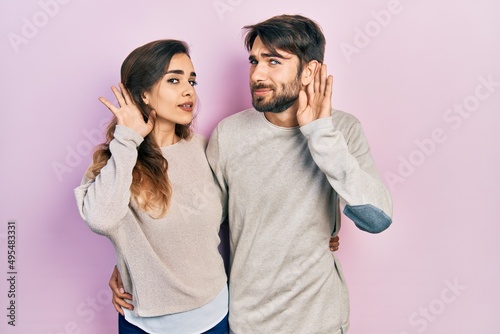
145,98
309,72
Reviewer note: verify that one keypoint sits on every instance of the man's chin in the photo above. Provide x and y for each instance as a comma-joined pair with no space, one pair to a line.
271,111
275,108
265,108
261,106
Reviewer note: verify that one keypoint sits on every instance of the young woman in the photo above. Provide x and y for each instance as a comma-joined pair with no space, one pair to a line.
151,191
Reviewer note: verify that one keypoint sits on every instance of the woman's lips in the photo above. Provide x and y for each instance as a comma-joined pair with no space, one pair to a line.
186,107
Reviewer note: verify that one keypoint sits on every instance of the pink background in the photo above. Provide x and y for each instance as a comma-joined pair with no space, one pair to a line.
405,76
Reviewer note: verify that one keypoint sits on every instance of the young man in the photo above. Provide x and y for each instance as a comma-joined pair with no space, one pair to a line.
283,167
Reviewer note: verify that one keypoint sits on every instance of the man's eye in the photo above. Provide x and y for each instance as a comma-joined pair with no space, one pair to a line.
253,62
274,62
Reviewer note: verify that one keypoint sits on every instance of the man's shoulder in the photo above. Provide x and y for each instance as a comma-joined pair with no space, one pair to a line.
227,134
343,119
232,126
239,118
349,125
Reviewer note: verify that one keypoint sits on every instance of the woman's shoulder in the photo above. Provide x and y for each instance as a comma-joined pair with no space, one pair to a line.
198,140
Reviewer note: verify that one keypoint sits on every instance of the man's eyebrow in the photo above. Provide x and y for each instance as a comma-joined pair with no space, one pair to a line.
272,55
180,72
267,55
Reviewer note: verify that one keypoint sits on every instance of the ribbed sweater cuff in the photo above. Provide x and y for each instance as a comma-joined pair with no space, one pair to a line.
321,123
123,133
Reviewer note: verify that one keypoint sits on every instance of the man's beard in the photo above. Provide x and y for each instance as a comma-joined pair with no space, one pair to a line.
280,101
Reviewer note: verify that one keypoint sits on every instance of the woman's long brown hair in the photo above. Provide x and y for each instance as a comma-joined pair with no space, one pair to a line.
140,71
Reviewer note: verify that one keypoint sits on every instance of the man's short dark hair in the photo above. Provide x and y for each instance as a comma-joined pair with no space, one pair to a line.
294,34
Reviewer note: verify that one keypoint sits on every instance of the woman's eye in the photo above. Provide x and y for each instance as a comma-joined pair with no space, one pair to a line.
173,81
193,83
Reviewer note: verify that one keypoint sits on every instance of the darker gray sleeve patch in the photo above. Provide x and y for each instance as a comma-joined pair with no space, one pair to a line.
368,218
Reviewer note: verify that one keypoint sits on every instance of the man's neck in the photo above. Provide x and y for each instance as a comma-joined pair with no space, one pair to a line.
285,119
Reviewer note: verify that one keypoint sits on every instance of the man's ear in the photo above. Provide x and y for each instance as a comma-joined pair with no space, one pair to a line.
309,72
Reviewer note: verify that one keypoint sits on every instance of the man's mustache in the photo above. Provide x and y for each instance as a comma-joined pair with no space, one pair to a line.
261,86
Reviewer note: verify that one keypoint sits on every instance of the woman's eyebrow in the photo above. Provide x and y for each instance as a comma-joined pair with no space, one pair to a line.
181,72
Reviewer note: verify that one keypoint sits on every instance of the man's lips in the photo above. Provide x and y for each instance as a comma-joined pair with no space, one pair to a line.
261,91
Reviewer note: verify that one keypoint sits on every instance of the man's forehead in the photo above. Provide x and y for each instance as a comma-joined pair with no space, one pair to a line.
260,50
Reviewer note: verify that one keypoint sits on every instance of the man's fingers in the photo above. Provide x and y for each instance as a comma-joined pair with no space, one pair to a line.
334,248
317,84
309,90
334,243
329,87
322,80
302,102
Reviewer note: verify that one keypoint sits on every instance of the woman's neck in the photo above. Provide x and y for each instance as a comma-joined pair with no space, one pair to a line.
164,134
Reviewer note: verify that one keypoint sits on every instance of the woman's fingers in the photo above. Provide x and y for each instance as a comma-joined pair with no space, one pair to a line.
119,295
120,303
119,96
126,95
151,119
118,308
108,105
